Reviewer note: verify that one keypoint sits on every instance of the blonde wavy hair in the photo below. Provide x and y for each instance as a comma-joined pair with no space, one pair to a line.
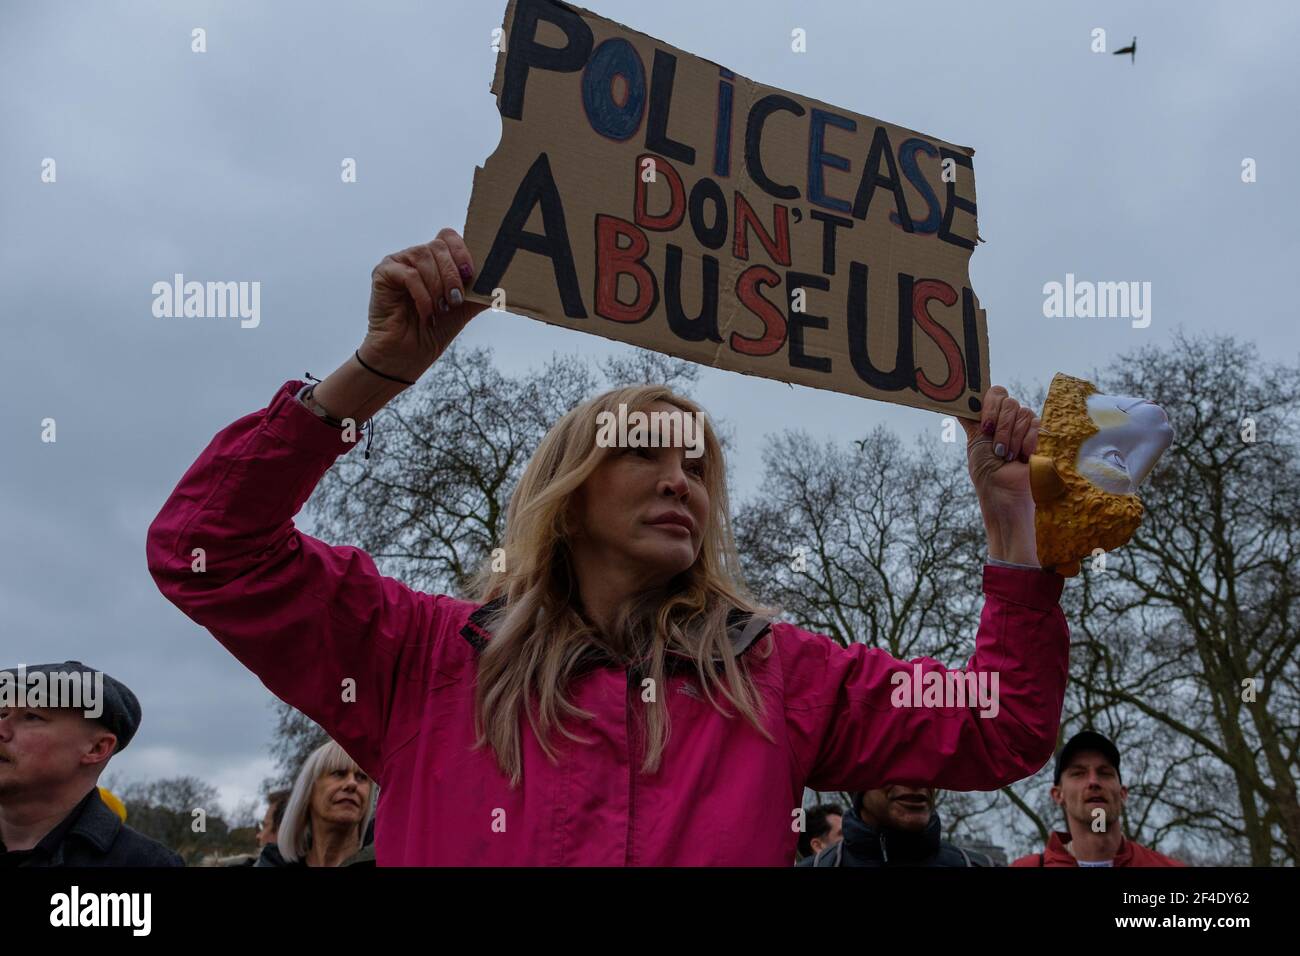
540,640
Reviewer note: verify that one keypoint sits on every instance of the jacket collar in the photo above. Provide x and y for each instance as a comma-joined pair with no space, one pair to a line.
96,823
743,629
1056,851
90,820
890,845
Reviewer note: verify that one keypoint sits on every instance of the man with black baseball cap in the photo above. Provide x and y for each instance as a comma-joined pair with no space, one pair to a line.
1088,787
59,726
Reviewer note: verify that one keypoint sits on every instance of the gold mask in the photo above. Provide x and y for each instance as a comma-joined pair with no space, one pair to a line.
1094,451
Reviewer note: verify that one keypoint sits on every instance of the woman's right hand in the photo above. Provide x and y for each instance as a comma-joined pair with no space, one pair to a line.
417,305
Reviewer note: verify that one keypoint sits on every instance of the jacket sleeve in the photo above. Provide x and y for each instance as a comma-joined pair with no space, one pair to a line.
853,714
321,627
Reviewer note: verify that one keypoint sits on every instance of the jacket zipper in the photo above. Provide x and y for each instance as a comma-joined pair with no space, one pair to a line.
633,685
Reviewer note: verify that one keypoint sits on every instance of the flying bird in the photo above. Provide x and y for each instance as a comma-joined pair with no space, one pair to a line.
1131,50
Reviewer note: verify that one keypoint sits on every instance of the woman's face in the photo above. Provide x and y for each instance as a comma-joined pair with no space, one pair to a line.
644,509
340,797
1132,434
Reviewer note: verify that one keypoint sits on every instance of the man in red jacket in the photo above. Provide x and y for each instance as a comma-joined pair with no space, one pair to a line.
1088,787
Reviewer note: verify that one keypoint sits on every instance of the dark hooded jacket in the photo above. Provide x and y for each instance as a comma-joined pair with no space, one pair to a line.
271,856
865,845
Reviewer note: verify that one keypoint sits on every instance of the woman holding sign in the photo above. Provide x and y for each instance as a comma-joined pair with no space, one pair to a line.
614,696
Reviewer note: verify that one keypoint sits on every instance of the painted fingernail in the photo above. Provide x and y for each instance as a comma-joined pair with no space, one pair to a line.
442,305
987,428
1011,456
456,297
466,272
1000,450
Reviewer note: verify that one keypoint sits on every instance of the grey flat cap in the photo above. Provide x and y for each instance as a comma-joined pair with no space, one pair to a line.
119,708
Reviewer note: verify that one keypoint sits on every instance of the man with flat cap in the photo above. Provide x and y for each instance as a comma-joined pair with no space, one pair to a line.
1087,786
60,724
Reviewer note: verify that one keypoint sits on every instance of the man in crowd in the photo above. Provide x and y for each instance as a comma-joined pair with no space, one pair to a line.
269,831
1087,786
822,827
51,757
895,826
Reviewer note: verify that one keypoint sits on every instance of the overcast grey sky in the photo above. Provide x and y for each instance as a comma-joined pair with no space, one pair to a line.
225,166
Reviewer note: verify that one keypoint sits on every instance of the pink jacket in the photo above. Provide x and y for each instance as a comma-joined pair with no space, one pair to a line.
306,617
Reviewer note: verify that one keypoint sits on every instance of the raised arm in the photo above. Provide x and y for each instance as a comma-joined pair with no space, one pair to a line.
321,627
860,719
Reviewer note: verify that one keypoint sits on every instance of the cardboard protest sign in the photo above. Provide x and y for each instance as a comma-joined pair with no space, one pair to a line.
654,197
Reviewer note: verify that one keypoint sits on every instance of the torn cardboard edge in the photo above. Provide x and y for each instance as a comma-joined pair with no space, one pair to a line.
536,297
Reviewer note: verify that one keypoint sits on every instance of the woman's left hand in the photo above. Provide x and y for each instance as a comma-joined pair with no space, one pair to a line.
997,453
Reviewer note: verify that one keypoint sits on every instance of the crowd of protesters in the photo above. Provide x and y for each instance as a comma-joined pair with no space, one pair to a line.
53,813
